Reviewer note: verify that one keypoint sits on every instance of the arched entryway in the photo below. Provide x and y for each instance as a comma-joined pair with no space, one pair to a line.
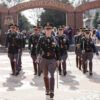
81,9
50,4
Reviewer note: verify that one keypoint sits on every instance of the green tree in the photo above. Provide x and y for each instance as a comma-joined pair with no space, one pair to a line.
96,20
23,23
10,3
64,1
55,17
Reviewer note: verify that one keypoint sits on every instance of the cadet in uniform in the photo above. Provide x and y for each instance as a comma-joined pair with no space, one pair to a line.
64,45
50,55
87,47
22,46
13,45
34,38
78,49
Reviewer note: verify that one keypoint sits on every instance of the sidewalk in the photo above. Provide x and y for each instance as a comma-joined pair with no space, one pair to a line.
75,86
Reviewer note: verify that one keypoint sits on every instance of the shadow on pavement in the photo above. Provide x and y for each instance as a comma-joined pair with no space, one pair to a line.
37,82
70,81
95,78
14,81
48,98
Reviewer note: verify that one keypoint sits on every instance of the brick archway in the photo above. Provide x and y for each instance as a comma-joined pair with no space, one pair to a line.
3,13
88,6
3,9
51,4
82,8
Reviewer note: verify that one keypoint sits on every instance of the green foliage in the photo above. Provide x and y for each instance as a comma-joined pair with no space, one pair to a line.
3,4
96,20
23,23
55,17
64,1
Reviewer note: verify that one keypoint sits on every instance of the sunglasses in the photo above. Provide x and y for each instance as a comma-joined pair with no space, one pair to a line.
60,29
48,28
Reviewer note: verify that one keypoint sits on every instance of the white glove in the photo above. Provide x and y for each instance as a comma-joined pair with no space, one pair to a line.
29,51
14,60
83,51
62,61
58,63
7,49
38,59
19,50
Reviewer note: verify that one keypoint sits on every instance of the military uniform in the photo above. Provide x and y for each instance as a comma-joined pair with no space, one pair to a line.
63,45
50,54
87,48
13,45
34,38
78,51
22,45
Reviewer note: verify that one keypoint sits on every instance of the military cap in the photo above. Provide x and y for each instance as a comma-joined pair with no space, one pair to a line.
60,28
87,31
48,26
35,27
11,25
39,26
80,28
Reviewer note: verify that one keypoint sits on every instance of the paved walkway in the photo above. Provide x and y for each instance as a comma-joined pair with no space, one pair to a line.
75,86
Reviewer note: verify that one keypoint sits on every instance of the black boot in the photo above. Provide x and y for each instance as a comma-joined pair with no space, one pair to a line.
60,69
90,68
13,67
80,62
39,70
52,95
35,68
46,82
84,66
76,61
52,83
64,68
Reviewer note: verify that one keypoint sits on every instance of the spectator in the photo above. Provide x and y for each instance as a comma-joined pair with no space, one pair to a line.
98,34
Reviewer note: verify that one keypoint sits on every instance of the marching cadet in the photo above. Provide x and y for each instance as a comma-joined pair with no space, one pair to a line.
78,49
63,45
50,58
93,36
22,46
32,47
13,45
87,47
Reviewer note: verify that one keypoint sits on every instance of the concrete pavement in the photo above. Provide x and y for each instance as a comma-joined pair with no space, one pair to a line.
75,86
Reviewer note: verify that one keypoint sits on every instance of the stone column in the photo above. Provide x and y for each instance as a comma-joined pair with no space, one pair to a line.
15,17
4,27
70,19
79,20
